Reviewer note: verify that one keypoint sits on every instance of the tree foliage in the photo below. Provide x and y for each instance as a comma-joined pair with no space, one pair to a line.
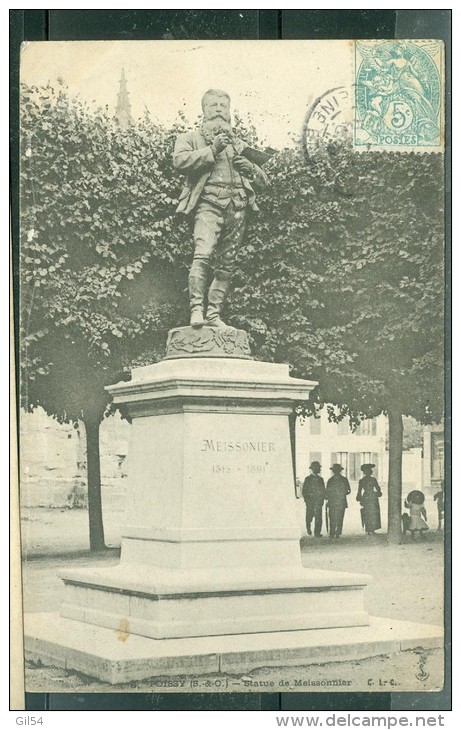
96,215
413,434
342,275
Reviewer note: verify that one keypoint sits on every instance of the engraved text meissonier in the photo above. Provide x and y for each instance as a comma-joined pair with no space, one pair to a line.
238,446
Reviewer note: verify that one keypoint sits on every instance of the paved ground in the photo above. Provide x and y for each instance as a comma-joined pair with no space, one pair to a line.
51,531
407,578
407,584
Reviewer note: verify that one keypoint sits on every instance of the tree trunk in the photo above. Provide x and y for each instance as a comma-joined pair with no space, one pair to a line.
94,483
394,507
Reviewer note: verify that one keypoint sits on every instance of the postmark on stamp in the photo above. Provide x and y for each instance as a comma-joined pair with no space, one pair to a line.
399,95
329,119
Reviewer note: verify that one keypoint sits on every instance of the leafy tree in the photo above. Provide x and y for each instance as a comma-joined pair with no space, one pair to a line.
96,260
396,325
343,276
412,434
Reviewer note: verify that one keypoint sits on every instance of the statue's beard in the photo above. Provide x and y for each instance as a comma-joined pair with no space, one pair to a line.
215,125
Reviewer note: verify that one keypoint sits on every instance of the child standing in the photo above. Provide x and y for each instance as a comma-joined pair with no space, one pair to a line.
415,522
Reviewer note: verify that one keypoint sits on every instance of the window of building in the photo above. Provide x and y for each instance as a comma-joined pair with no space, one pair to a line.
375,461
315,427
437,455
355,462
352,461
315,456
367,427
340,457
365,457
343,427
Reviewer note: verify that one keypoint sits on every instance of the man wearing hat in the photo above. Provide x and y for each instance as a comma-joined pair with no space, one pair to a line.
314,497
337,490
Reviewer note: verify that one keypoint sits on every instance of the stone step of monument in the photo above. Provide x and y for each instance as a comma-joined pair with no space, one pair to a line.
115,656
161,603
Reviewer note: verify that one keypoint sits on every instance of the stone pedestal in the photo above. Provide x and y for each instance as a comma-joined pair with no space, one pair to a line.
210,579
207,342
211,540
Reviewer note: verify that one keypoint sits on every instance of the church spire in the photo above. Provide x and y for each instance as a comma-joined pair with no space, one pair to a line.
123,108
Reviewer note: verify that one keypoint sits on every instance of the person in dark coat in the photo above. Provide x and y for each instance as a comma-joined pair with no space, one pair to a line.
314,497
439,499
368,495
337,490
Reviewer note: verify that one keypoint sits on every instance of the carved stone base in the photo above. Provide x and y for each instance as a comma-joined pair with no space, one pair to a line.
207,342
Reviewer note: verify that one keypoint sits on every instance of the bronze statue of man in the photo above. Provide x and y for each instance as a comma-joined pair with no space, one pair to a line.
219,190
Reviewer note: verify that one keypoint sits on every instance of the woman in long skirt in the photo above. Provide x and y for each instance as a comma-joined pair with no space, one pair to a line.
368,495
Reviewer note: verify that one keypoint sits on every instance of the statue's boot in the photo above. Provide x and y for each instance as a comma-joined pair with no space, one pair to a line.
216,296
198,278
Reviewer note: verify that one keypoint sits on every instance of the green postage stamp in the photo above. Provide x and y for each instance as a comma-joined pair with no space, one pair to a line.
399,95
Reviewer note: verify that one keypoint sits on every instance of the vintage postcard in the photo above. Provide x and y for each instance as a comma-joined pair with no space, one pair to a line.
232,366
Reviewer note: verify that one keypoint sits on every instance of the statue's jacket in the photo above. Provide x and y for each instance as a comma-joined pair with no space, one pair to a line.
194,157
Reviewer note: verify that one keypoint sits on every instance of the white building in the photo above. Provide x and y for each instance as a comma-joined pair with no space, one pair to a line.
318,439
53,459
434,457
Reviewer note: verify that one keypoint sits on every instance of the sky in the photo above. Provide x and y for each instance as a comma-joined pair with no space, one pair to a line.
273,81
